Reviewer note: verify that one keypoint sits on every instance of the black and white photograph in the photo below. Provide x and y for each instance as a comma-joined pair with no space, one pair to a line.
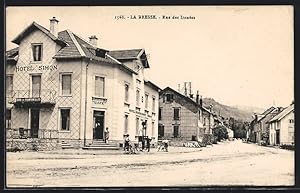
149,96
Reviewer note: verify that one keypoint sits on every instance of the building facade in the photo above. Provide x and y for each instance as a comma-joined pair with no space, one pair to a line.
182,118
61,87
282,127
260,127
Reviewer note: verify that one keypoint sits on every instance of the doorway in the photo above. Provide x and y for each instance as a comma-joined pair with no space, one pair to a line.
98,130
277,137
34,122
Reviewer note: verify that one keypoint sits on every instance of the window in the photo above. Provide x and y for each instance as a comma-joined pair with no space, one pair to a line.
176,113
169,97
175,131
8,118
159,113
137,97
146,101
66,82
291,121
35,85
126,124
37,52
9,85
161,131
65,119
153,104
153,128
137,125
126,92
99,86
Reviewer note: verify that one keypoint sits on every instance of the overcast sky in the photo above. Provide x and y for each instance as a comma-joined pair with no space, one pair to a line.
236,55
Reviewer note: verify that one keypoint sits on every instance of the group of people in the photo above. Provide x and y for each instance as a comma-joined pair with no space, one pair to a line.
131,147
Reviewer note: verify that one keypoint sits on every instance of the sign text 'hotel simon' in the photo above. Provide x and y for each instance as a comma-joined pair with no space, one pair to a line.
36,68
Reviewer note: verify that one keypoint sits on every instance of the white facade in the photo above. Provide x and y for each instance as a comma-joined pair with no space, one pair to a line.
88,105
282,128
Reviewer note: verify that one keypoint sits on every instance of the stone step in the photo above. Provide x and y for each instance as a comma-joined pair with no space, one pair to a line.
103,145
101,148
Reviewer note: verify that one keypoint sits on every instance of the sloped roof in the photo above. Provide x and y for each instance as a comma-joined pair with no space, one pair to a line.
185,97
12,54
151,84
74,46
265,113
32,27
125,54
131,54
283,113
269,110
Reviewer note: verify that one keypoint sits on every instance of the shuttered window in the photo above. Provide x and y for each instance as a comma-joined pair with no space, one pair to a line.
37,52
126,124
36,85
9,85
126,92
99,86
66,84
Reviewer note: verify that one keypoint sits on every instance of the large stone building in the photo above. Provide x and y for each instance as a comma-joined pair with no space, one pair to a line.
183,118
62,88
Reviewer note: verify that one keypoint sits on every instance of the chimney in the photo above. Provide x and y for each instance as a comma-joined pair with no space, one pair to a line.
93,40
255,116
200,102
197,97
54,26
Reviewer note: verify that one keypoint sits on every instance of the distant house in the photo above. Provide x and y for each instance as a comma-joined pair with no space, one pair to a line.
181,117
282,127
259,125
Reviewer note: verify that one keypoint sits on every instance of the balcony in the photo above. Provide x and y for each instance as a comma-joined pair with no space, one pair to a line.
32,98
25,133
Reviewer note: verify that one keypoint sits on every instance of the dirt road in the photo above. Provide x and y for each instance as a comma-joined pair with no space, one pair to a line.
227,163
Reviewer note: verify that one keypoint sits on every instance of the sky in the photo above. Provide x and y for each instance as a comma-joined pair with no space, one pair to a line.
238,55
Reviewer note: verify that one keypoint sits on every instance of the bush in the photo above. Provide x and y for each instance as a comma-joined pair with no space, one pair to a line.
288,147
14,149
220,133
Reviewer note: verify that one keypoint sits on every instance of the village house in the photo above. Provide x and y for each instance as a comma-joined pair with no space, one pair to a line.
282,127
259,125
183,118
65,91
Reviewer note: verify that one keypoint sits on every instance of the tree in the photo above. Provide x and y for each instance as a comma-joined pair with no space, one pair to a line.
220,132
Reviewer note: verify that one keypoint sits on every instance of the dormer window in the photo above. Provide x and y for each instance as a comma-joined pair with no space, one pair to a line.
169,97
37,50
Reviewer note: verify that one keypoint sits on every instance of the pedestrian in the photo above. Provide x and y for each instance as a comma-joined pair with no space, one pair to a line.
106,135
126,144
148,143
166,144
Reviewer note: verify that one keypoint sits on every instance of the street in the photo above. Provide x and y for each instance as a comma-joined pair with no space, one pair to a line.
225,163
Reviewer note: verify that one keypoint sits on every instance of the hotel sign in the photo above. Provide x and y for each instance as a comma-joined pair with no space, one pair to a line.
26,100
137,112
29,68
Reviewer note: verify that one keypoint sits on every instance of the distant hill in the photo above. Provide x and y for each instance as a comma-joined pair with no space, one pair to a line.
243,113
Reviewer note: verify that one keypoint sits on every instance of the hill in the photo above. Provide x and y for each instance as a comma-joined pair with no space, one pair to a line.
243,113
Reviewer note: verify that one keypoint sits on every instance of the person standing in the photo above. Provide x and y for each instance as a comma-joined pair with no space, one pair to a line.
106,135
126,144
148,144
